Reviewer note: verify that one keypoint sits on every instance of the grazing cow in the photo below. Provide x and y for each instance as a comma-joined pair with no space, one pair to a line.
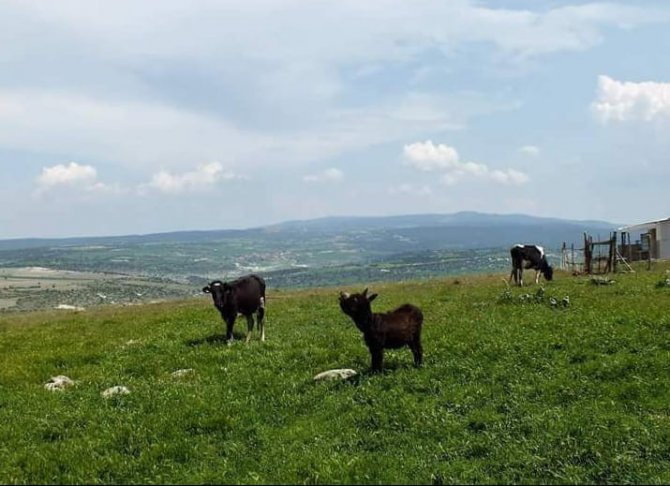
244,296
401,327
533,256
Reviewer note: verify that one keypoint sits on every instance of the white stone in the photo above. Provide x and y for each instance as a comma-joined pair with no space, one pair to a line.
115,390
69,307
183,373
338,374
58,383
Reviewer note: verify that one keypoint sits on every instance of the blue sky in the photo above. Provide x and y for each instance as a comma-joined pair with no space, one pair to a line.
137,117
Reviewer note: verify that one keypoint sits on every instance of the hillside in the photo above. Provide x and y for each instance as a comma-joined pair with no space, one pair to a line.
512,390
497,224
327,251
460,219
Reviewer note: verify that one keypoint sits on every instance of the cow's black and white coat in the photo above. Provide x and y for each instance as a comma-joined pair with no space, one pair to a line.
244,296
529,256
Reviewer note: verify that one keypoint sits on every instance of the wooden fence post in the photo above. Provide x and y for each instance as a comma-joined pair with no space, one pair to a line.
563,262
613,252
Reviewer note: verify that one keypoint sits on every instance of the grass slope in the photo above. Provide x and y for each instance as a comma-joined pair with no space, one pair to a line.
510,391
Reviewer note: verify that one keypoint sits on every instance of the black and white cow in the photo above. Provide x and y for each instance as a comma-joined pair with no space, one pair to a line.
245,296
533,257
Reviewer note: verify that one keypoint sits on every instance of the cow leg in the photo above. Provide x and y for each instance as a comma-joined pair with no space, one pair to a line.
250,326
260,317
517,272
537,277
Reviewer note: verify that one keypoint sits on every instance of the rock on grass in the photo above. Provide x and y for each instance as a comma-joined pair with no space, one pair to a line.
183,373
58,383
115,390
338,374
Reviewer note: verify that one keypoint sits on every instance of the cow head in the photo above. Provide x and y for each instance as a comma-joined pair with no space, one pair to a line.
220,292
548,272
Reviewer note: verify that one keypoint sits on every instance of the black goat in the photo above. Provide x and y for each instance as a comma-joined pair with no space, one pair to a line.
401,327
244,296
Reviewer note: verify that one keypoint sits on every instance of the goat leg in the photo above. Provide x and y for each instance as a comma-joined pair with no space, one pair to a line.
417,351
229,331
250,326
377,354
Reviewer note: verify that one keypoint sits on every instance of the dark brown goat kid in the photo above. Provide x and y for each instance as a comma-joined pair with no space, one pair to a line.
389,330
245,296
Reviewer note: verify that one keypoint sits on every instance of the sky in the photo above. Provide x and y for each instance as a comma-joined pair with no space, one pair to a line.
139,117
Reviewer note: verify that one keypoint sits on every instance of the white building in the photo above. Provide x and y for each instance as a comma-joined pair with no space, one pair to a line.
658,236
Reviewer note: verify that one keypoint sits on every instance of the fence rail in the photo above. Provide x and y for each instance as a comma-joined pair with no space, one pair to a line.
595,257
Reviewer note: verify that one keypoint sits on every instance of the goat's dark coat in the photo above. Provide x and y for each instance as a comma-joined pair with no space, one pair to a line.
533,256
401,327
245,296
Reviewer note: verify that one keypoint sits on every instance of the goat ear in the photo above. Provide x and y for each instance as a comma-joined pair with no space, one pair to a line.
372,297
206,290
365,292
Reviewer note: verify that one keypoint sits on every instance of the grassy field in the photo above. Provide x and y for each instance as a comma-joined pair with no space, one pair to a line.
513,389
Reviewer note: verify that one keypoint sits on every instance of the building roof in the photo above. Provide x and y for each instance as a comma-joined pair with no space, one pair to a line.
644,226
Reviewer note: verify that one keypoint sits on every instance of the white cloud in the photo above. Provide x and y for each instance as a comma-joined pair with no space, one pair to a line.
620,101
428,157
72,174
133,132
509,176
152,134
328,175
293,32
570,28
410,189
530,150
281,56
202,178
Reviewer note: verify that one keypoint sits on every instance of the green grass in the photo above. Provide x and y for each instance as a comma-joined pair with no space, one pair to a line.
511,390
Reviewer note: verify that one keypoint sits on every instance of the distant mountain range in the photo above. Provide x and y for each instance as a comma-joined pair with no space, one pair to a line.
425,231
465,218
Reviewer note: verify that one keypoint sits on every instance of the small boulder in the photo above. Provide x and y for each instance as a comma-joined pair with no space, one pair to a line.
115,390
58,383
69,307
183,373
339,374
